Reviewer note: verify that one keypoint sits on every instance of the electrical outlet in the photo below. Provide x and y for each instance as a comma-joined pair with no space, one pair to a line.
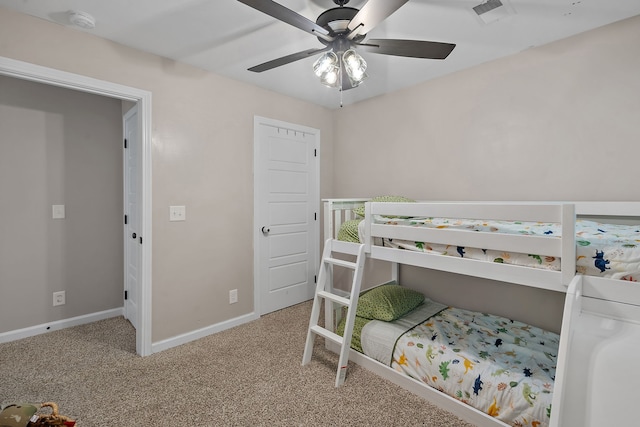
233,296
59,298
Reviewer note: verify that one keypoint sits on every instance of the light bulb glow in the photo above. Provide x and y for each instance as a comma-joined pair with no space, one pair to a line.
330,78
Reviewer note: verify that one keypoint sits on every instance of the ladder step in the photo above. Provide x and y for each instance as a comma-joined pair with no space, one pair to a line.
335,298
319,330
325,290
341,263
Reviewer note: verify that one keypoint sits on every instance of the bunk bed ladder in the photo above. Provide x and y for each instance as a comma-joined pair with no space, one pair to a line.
325,291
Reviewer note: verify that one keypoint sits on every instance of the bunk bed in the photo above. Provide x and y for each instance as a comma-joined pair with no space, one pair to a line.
578,372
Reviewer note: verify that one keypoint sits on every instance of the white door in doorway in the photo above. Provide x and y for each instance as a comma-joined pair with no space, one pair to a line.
132,238
286,217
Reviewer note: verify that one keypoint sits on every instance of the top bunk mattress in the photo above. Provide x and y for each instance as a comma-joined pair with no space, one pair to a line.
602,250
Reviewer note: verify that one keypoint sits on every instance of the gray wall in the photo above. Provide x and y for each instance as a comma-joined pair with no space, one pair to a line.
557,122
58,146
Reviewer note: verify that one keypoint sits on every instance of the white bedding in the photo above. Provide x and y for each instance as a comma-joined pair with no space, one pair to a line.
501,367
602,250
378,338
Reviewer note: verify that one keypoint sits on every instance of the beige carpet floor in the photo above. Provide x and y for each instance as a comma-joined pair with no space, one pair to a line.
246,376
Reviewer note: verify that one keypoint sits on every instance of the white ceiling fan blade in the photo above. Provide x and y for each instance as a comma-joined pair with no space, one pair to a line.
284,14
371,14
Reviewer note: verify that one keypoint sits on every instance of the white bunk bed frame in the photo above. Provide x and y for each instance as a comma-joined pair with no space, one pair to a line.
597,311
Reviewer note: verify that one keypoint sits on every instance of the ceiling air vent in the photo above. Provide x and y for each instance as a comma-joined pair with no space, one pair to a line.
488,6
493,10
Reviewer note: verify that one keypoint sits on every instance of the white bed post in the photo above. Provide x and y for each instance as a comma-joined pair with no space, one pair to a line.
328,220
367,227
572,310
568,260
328,234
395,272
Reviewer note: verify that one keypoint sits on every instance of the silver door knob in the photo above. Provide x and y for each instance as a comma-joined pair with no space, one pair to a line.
265,230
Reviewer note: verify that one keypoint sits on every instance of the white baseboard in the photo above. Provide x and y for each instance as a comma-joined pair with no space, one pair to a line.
59,324
201,333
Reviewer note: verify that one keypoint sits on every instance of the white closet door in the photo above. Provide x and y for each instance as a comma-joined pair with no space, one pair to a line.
287,217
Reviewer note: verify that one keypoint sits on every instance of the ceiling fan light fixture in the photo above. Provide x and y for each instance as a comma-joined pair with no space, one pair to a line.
327,68
325,63
355,66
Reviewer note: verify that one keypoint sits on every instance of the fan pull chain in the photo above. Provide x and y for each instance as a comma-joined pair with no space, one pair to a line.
341,83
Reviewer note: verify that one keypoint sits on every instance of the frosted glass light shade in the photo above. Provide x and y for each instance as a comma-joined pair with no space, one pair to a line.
355,66
327,67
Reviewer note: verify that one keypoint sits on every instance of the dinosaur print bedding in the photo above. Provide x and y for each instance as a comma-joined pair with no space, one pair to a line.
603,250
501,367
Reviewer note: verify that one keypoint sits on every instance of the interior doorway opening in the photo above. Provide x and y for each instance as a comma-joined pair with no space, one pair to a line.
142,100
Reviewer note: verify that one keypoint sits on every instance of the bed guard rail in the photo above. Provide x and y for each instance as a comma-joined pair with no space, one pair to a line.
561,213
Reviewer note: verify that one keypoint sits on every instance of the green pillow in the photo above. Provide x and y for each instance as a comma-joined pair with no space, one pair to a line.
349,231
356,335
393,199
388,302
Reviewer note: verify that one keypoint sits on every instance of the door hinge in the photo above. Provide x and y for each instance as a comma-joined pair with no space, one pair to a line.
315,152
315,216
125,143
140,239
126,295
315,279
126,220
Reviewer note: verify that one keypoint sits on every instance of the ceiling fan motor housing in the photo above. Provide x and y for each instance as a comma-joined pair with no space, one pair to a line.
336,21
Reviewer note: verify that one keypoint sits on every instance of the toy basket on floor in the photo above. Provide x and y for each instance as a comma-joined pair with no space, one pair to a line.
50,420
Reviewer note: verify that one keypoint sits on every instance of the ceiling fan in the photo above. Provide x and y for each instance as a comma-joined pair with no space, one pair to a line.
341,30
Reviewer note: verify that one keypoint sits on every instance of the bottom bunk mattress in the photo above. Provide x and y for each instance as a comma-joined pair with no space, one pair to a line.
501,367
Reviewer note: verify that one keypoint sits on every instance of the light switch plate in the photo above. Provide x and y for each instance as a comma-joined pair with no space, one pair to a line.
57,211
177,213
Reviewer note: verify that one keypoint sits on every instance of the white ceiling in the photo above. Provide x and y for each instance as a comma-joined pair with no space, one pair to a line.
227,37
